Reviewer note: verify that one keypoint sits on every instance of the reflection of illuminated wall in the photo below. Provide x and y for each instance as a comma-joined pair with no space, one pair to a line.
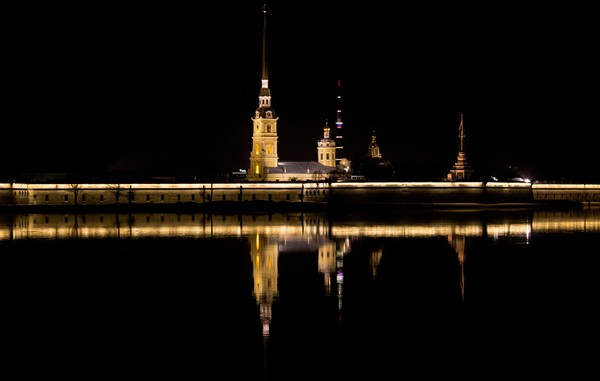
582,220
286,226
429,230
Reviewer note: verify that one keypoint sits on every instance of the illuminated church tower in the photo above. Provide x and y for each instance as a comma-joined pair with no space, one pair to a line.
326,148
264,136
374,148
264,159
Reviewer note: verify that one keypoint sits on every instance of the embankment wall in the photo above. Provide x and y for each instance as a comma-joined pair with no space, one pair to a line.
339,194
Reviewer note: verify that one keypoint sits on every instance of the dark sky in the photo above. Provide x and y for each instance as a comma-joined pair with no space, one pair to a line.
171,88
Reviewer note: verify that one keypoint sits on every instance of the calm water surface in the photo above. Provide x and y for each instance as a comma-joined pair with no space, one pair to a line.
469,293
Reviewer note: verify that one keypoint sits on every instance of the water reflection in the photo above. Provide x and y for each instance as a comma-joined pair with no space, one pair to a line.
341,287
291,226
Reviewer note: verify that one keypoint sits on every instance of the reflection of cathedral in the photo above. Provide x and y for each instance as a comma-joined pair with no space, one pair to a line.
264,253
327,263
264,256
374,260
458,242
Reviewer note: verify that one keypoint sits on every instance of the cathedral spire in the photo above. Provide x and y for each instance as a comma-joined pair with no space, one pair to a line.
461,134
264,97
264,158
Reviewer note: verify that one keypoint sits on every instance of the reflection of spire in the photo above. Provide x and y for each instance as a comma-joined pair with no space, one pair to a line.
458,243
342,248
264,257
374,260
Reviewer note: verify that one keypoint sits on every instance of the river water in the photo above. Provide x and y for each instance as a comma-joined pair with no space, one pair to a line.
419,294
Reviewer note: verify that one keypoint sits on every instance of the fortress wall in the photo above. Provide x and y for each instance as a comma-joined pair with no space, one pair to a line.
562,192
431,192
351,193
111,194
6,194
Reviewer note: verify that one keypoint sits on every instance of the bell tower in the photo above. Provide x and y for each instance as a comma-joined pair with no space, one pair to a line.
326,148
264,124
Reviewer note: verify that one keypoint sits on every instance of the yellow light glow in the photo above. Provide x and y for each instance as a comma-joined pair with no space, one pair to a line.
281,226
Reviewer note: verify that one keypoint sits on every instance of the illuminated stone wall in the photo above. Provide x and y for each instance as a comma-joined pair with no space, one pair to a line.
341,193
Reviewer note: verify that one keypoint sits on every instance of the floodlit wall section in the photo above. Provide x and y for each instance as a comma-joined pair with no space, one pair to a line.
335,192
107,194
575,192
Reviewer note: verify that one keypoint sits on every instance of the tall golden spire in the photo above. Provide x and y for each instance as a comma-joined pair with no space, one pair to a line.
264,156
461,134
264,43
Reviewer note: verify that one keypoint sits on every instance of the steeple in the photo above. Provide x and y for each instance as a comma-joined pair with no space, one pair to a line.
461,170
264,97
264,132
374,147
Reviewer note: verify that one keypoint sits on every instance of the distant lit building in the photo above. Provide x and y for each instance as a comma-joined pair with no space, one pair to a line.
264,158
461,170
374,167
326,148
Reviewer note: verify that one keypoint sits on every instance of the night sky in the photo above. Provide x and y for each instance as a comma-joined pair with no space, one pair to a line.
170,89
